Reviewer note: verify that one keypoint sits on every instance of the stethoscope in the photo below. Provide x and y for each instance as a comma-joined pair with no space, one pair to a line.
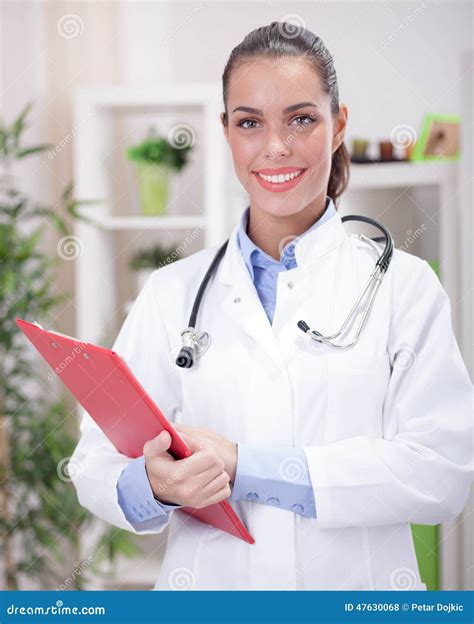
195,342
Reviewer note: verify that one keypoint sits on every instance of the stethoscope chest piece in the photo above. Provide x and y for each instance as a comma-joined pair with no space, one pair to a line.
195,344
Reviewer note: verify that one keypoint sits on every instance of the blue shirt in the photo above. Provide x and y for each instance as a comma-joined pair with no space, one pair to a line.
260,476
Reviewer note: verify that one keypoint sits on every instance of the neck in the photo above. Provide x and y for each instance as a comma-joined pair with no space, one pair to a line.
267,231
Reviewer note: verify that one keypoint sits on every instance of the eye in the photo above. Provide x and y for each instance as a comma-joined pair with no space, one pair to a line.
240,124
310,117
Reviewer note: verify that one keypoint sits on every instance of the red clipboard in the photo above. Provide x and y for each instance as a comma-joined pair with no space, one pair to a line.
109,391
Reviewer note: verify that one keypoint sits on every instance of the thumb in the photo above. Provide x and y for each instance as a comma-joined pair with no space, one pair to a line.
158,445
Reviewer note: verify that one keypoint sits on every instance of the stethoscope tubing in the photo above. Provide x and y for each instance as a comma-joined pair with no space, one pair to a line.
192,346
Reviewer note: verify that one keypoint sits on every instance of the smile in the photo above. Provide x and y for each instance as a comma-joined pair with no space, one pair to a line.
280,182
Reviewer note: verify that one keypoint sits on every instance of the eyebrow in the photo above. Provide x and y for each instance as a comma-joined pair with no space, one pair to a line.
289,109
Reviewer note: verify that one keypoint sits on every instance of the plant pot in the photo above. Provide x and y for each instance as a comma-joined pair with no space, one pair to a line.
153,183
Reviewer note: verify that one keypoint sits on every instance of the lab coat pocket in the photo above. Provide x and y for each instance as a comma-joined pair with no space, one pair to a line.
357,385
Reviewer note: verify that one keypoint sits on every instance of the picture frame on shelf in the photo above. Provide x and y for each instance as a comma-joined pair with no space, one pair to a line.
439,138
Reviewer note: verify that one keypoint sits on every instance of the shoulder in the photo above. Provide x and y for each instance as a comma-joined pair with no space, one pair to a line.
410,280
405,268
415,286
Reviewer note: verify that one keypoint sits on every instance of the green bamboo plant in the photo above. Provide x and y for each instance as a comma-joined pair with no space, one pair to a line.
40,517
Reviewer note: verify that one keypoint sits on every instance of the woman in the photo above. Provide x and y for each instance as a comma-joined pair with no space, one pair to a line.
326,455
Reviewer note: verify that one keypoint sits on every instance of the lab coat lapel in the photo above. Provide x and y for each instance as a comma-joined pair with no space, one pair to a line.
241,302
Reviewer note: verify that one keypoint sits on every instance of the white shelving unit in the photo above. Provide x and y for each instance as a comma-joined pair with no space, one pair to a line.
96,288
97,301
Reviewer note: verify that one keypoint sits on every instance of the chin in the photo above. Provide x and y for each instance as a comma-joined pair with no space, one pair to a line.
277,208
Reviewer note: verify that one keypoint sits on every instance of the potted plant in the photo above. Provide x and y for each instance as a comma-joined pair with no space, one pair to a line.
40,518
147,260
156,159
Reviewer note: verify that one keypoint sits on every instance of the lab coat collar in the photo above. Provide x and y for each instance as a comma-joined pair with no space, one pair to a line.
250,251
317,242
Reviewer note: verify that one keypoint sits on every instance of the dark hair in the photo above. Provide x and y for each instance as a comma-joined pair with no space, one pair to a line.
283,39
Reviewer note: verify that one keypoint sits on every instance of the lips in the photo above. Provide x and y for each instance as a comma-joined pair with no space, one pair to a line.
279,187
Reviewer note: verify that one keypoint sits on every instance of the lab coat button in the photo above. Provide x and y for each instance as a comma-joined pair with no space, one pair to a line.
237,300
252,495
298,508
273,500
290,284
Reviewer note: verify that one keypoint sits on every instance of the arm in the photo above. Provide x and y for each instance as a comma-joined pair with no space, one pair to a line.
137,500
421,470
274,475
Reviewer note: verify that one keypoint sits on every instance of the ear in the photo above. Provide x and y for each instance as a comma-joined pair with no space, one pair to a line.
340,127
225,128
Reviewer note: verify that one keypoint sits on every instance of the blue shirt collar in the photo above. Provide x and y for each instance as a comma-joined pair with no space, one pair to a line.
254,256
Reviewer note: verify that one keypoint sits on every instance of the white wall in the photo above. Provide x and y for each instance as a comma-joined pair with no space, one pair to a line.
394,60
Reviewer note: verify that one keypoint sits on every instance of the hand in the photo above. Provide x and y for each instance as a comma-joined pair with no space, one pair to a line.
225,449
196,481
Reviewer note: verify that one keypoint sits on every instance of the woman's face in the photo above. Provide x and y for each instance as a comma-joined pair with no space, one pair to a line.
271,141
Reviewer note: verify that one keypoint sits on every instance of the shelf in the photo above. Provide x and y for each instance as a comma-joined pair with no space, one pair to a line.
166,222
396,174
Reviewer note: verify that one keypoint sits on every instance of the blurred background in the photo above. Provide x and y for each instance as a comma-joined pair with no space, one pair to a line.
113,163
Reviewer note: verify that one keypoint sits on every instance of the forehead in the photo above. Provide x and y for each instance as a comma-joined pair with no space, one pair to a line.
274,83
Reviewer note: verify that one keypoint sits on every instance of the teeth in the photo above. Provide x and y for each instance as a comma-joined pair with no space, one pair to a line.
277,179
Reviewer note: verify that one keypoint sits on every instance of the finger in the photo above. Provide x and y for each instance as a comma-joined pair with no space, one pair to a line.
216,483
219,496
203,478
193,443
186,429
199,462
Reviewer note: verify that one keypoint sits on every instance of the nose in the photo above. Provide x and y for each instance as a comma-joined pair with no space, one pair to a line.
277,144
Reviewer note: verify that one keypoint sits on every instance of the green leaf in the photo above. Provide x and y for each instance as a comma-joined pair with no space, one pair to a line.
19,124
32,150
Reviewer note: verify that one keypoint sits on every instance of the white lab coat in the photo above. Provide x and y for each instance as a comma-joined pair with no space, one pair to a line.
388,439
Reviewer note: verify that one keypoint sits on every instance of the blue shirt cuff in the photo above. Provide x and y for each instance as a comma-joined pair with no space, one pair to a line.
136,497
274,475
